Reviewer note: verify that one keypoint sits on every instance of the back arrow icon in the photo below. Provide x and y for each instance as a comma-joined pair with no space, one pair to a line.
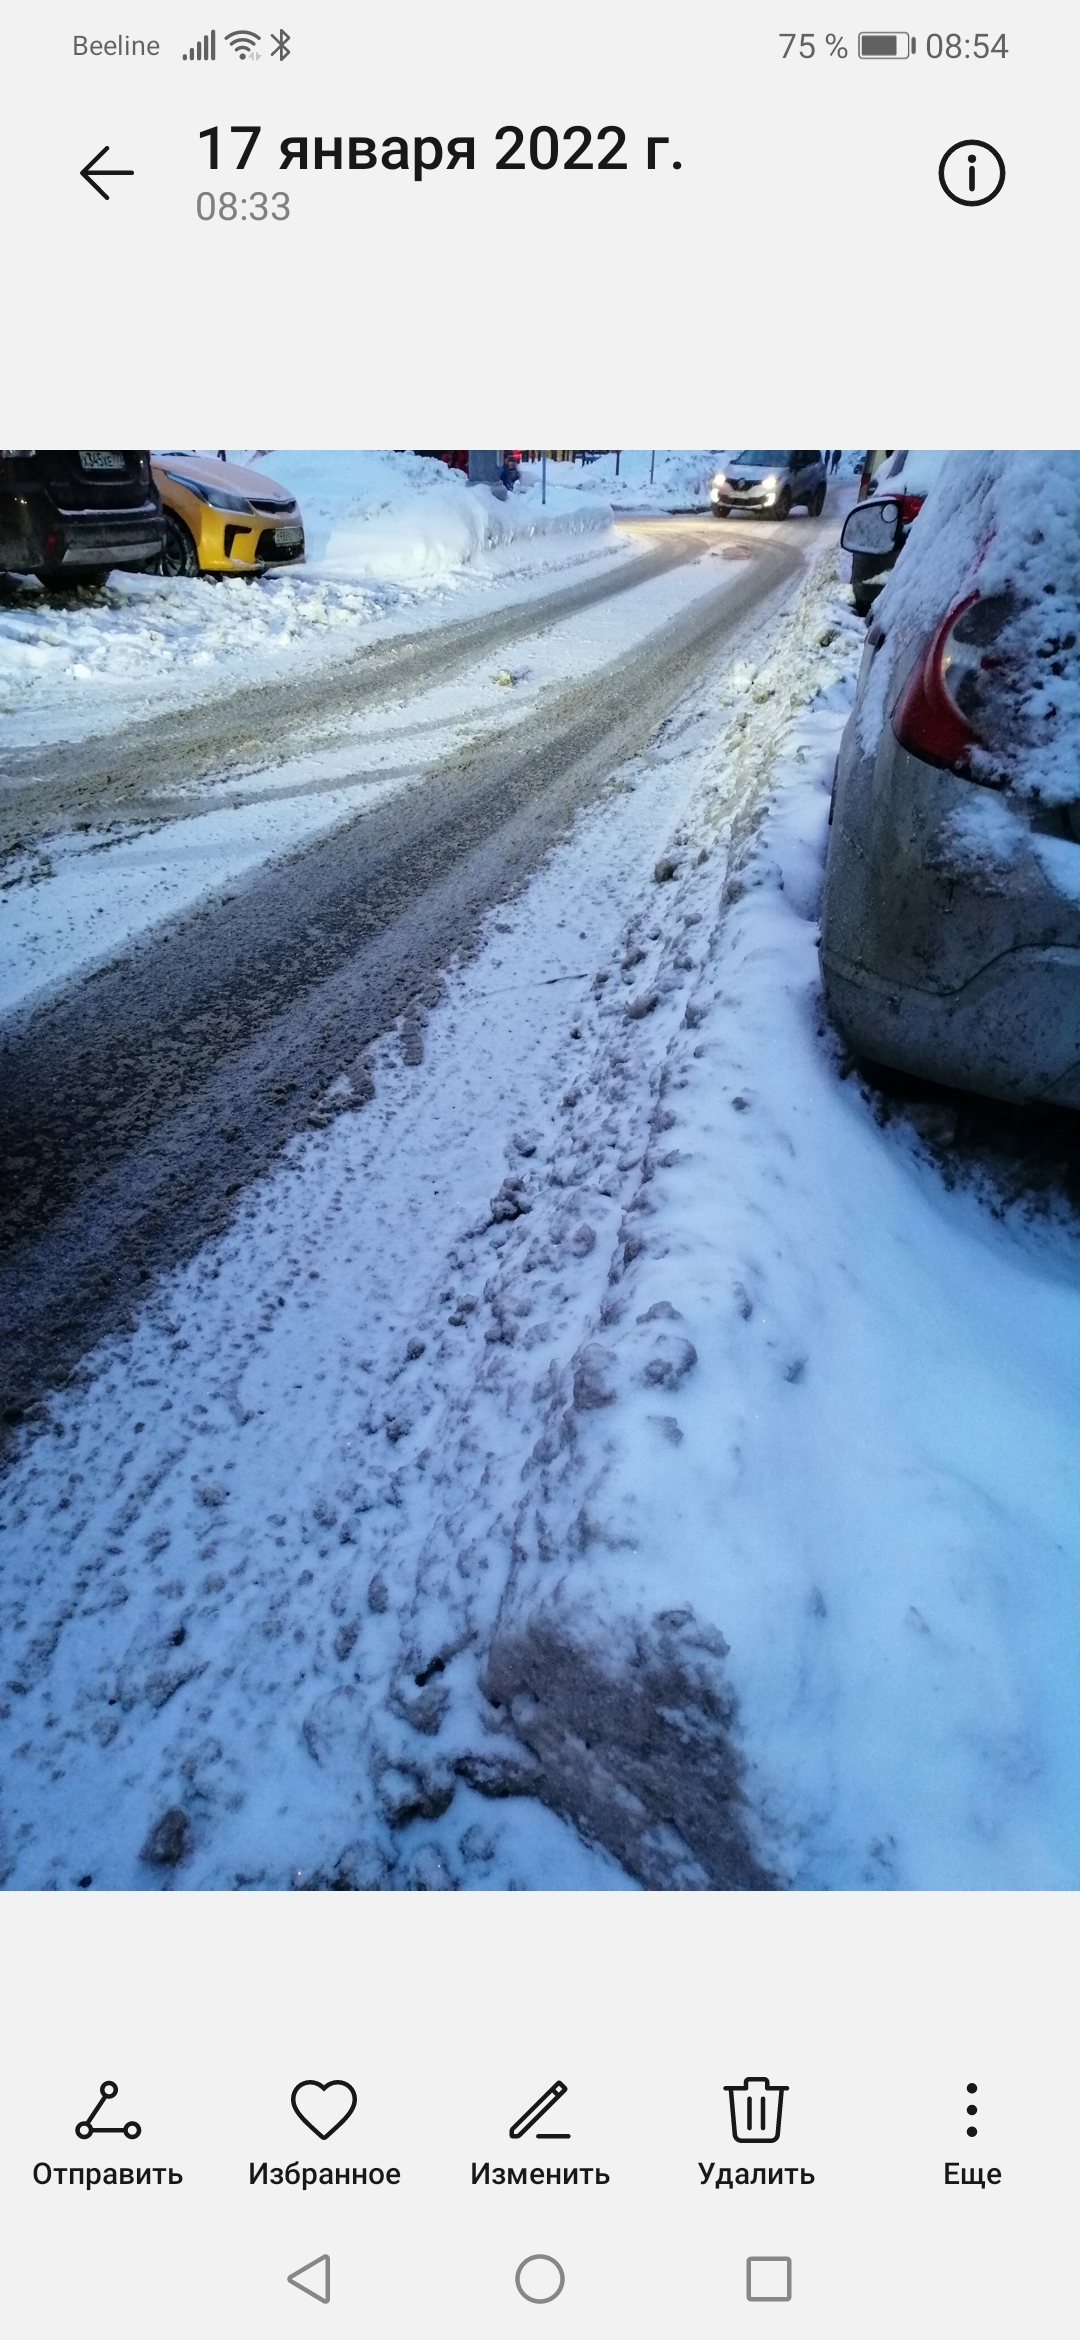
91,174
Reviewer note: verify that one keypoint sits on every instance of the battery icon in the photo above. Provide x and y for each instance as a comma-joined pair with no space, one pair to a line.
885,44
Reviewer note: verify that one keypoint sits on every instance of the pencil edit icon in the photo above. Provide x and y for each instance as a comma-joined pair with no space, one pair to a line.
544,2104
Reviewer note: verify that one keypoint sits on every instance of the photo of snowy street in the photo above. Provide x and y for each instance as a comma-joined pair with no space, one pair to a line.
496,1394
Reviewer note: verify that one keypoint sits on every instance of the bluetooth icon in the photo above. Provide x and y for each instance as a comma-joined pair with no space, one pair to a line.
279,46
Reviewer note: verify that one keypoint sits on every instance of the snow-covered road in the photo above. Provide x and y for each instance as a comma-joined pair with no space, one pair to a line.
606,1455
138,1103
104,841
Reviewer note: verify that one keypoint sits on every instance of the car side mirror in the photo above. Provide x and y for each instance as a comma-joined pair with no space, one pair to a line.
872,528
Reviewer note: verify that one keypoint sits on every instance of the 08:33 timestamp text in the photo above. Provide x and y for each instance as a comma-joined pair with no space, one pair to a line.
258,205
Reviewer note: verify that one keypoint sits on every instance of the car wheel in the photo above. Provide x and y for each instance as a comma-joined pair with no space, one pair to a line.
816,504
721,511
783,504
178,555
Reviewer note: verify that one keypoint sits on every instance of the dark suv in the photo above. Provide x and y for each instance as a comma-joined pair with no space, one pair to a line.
70,518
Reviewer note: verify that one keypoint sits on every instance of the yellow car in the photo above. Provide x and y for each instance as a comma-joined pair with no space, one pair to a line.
222,520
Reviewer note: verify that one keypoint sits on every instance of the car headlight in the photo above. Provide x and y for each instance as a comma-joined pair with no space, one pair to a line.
770,482
218,499
719,479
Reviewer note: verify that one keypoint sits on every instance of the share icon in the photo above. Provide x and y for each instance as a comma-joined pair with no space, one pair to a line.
92,2127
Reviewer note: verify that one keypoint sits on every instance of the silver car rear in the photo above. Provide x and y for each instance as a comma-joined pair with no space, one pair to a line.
950,939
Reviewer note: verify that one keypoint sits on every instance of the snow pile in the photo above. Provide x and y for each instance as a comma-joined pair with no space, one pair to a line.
612,1353
377,514
131,639
1004,524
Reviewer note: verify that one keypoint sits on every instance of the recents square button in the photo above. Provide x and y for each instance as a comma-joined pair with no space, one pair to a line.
768,2279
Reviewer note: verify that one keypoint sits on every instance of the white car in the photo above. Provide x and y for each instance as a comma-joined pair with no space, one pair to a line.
769,481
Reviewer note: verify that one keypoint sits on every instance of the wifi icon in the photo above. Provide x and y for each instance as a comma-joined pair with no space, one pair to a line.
243,44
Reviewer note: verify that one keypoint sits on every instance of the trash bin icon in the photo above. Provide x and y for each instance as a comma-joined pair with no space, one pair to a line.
757,2109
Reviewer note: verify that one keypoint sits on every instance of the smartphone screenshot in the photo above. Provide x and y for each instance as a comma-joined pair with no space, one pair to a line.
539,1100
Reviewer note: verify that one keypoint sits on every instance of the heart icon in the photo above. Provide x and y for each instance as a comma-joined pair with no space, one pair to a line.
324,2105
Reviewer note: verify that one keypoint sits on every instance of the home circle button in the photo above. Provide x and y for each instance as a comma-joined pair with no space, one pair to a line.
540,2278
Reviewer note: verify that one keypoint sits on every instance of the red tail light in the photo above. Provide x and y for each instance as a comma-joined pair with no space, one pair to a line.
956,708
926,718
909,505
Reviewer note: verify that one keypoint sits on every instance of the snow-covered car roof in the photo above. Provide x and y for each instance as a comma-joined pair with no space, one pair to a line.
912,469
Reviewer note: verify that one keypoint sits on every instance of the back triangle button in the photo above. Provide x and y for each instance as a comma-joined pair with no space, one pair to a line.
317,2274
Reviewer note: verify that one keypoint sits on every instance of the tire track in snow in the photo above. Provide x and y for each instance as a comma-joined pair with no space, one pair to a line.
137,1108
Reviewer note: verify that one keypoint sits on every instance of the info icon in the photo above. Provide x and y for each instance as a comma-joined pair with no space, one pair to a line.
971,173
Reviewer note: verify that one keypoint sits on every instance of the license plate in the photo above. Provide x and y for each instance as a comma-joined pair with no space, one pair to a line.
100,459
287,536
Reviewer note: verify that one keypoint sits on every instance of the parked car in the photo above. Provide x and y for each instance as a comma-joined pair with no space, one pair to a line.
69,517
764,481
950,936
222,520
900,489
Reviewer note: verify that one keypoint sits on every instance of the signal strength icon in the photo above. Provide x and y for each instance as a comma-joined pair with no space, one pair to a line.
243,44
201,52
